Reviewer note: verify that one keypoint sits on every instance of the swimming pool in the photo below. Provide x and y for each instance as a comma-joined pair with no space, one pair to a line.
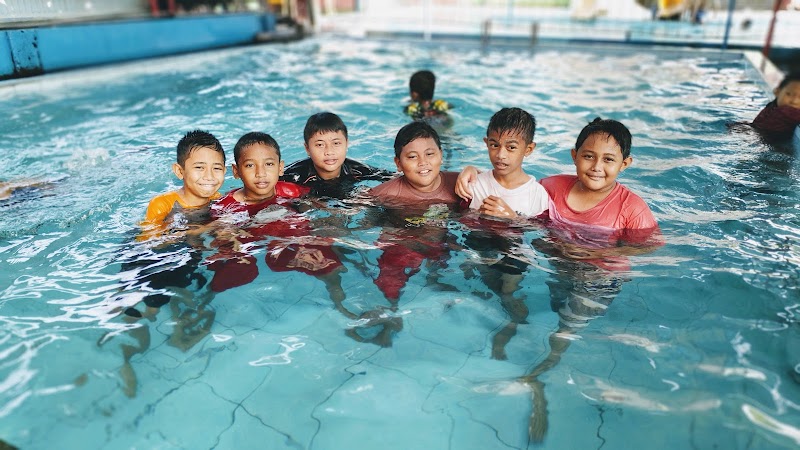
699,348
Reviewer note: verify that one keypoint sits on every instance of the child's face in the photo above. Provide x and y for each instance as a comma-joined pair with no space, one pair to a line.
598,162
420,161
327,151
259,167
507,150
789,95
202,175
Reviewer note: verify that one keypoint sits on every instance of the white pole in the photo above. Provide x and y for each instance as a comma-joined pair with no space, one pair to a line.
427,19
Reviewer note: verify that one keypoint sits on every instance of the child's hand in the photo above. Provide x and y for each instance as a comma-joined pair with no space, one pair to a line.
497,207
467,176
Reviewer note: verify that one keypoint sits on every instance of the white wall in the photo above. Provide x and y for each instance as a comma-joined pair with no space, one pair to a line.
26,10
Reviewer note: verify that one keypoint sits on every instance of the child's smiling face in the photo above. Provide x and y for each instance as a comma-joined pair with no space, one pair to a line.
259,167
202,173
789,95
598,162
420,161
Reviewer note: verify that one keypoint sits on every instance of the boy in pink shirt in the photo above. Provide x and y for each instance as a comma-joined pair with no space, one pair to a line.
421,194
592,207
596,222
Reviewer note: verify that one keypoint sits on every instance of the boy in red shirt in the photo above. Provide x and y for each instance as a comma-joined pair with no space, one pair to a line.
264,208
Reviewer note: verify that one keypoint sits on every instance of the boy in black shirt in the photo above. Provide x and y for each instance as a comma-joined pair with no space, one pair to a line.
327,170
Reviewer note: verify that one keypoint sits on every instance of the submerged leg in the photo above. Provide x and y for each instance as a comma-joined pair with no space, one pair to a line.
516,309
129,381
194,322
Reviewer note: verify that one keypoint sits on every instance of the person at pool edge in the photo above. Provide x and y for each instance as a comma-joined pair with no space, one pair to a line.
781,116
327,170
421,87
200,164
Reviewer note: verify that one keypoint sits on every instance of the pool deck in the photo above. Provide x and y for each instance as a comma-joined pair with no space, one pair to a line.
531,26
52,47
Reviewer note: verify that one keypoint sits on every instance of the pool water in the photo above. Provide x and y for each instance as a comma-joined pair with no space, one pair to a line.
697,345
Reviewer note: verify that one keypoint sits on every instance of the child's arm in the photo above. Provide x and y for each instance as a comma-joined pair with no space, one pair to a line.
497,207
8,188
467,176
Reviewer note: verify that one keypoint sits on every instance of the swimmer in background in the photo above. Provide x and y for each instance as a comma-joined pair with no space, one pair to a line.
327,171
421,87
781,117
10,188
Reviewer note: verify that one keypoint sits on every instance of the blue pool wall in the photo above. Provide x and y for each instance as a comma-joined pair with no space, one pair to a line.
34,51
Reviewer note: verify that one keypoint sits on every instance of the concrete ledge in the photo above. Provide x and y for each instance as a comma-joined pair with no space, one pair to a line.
768,71
47,49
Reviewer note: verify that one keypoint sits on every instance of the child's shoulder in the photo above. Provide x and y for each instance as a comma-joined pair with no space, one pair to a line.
171,197
286,189
358,170
558,181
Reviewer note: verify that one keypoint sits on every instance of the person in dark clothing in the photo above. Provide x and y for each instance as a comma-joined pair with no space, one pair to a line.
327,170
781,116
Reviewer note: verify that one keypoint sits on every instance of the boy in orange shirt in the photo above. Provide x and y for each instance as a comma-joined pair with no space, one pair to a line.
201,165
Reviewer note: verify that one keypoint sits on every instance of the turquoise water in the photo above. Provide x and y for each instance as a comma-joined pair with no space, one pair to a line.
699,346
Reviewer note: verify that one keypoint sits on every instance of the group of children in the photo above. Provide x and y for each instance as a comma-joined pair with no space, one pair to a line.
590,211
592,197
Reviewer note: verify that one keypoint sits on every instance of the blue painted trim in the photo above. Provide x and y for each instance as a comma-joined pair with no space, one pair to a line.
6,63
77,46
60,47
25,52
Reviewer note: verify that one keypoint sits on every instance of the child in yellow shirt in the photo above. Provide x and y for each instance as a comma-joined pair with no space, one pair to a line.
201,165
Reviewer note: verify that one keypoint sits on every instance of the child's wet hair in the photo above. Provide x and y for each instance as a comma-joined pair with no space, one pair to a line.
254,137
423,83
513,119
197,139
790,78
611,128
324,122
413,131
